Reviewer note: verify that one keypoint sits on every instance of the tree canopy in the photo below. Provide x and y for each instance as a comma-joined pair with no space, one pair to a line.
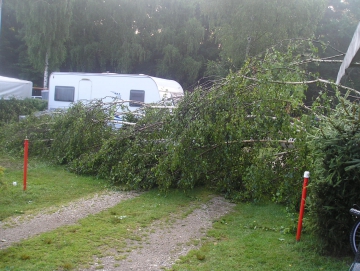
45,28
184,40
247,28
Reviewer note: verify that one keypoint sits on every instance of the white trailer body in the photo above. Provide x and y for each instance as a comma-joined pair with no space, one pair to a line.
66,88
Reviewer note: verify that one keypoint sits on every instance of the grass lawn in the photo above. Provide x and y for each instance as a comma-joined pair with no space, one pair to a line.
71,247
255,237
46,186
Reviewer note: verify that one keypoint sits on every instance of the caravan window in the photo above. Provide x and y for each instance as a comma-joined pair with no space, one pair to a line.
137,95
64,94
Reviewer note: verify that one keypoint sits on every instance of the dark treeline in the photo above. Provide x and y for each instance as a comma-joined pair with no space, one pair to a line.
185,40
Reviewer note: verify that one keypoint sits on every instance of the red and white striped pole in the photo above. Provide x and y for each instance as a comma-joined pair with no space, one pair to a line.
26,147
302,205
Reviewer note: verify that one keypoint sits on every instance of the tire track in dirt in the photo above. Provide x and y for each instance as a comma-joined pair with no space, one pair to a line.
166,242
26,226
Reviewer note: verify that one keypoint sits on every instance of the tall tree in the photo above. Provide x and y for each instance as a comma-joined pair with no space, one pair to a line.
157,37
9,42
0,14
247,27
178,41
14,60
84,52
45,30
108,36
336,29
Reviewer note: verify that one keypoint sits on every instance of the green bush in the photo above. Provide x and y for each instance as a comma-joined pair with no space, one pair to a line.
79,130
61,136
128,155
2,183
11,109
35,128
335,183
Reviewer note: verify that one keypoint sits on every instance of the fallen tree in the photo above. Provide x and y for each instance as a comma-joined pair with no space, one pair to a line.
235,136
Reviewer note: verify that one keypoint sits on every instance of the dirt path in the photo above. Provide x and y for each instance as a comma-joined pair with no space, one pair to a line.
23,227
166,242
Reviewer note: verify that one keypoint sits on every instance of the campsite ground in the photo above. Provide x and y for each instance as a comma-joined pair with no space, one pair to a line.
68,222
163,245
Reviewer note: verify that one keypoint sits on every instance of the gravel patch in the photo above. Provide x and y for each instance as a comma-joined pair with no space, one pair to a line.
25,226
167,243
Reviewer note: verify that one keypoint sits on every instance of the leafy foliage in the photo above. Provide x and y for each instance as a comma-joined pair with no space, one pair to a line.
215,137
178,39
336,184
246,28
2,183
129,154
11,109
44,40
80,129
226,135
157,37
34,128
230,137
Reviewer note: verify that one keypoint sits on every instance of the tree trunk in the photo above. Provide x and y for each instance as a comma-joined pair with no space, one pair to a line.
247,48
0,15
46,70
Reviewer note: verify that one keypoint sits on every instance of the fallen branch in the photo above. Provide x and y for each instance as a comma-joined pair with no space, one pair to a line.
304,82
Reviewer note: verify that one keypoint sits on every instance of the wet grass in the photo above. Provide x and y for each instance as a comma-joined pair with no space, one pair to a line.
46,186
256,237
97,235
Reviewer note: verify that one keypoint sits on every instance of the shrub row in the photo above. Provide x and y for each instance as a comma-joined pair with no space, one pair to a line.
11,109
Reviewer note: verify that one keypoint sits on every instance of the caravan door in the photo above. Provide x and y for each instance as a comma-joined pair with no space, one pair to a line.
85,88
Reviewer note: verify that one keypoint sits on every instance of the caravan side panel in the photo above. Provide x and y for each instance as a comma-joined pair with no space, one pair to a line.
167,88
66,88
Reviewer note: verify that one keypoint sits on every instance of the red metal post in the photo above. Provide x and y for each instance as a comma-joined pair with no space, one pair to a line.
302,205
26,147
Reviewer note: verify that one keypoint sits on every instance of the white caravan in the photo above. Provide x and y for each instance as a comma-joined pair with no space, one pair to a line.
66,88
